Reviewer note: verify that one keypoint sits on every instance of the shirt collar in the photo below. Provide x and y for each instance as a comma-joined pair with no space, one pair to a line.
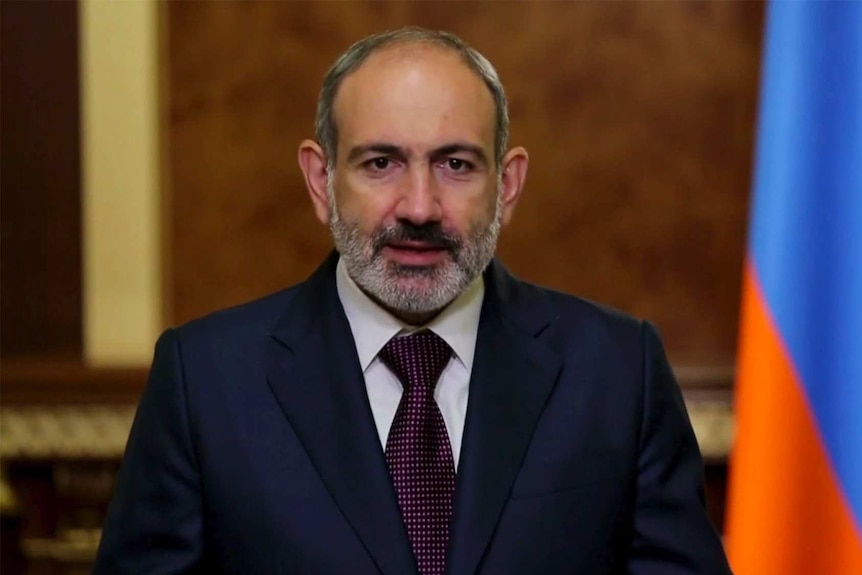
373,326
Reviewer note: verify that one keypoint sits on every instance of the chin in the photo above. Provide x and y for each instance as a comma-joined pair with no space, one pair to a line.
420,295
415,288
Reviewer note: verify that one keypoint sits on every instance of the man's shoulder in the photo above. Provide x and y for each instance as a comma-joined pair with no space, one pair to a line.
255,317
576,326
570,309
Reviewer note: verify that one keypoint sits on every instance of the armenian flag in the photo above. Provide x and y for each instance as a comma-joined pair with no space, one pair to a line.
795,492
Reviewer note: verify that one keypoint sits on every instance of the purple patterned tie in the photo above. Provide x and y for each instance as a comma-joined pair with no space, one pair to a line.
417,449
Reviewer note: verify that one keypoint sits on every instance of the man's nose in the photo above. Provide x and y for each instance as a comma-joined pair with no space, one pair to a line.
419,201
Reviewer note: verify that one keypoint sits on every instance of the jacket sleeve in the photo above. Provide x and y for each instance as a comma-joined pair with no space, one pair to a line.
154,523
672,532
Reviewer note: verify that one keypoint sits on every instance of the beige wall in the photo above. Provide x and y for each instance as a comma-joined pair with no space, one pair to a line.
120,180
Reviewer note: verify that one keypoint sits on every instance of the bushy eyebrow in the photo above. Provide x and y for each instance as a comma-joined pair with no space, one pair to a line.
381,148
402,154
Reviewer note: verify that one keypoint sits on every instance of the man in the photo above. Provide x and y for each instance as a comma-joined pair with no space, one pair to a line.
411,407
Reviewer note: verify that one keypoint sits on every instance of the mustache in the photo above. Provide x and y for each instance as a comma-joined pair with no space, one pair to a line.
432,234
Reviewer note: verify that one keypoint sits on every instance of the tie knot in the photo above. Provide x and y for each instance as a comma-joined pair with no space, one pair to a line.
417,360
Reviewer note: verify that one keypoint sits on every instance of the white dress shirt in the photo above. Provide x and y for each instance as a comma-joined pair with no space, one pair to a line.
372,327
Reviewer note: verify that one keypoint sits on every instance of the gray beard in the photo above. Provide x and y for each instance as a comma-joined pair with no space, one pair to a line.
409,289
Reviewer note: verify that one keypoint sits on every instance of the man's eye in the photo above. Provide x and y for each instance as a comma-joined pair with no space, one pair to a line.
380,163
457,164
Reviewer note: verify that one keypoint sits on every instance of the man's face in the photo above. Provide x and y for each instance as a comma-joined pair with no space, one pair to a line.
414,207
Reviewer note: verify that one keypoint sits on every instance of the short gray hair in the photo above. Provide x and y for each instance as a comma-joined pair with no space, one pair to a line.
326,130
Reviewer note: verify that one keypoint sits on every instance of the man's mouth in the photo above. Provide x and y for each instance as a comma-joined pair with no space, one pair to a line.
415,253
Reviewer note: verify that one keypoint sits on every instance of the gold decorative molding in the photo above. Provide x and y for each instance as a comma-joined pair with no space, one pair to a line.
713,425
71,546
8,501
100,431
39,432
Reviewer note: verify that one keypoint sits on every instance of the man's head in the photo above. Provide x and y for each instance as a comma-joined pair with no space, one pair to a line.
410,170
325,127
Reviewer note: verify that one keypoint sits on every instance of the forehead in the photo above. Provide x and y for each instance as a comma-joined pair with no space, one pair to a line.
417,96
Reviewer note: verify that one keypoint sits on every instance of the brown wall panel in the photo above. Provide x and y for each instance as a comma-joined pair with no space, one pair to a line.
638,117
40,298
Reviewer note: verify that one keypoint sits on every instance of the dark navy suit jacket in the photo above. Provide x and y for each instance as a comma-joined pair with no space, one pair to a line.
254,449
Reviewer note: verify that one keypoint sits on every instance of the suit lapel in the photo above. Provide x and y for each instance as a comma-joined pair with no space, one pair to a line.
513,375
315,375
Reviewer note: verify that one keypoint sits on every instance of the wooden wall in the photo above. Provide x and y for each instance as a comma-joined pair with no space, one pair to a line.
638,117
40,300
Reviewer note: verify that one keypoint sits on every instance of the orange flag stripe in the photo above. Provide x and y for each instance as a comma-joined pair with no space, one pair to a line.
787,514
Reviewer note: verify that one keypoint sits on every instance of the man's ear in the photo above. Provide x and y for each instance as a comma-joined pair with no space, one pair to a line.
312,162
514,175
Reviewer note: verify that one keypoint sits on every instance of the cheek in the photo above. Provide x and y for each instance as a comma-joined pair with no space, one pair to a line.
466,213
367,210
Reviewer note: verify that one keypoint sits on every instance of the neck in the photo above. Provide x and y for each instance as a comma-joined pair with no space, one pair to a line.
414,319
